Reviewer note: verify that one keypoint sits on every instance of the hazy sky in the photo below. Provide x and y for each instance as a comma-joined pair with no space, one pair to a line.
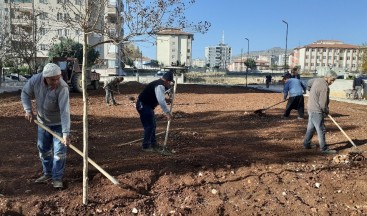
261,22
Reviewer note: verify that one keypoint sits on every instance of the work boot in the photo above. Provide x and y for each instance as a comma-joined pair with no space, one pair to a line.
43,179
310,146
57,184
329,151
149,149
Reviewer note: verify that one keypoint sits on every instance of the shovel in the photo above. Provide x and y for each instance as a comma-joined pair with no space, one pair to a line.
261,111
349,139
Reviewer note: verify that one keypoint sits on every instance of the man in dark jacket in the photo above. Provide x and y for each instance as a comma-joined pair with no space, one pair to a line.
358,86
318,109
152,95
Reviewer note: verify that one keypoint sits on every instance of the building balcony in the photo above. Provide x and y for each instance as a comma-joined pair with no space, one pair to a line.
23,7
111,11
22,22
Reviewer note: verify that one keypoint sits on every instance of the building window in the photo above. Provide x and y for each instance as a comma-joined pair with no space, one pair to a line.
43,1
341,58
306,57
78,2
59,1
306,64
188,50
112,32
66,31
348,57
324,50
173,50
112,49
354,51
77,17
59,32
311,64
323,57
329,57
335,57
307,49
43,16
173,56
59,16
353,65
354,58
43,47
42,31
111,64
348,51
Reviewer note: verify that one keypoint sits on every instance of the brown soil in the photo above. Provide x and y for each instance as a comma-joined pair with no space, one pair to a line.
227,161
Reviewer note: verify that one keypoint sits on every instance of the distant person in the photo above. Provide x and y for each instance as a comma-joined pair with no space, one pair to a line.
358,86
152,95
295,89
268,80
294,73
111,85
51,94
318,109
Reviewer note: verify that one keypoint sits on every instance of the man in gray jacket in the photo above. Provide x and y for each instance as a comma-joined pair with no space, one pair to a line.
53,110
111,85
318,109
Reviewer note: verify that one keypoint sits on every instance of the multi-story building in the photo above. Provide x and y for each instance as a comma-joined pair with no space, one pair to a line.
324,55
174,47
218,56
45,22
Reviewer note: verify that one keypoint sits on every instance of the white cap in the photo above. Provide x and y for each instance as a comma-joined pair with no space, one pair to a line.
51,70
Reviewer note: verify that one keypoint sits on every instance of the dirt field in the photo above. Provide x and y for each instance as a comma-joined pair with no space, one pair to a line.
227,161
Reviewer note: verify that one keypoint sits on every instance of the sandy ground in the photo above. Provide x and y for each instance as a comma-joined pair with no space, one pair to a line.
227,160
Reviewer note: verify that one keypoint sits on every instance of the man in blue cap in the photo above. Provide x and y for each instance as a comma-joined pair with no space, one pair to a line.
152,95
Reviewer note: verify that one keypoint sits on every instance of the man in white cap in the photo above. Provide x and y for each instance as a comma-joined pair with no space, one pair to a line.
53,110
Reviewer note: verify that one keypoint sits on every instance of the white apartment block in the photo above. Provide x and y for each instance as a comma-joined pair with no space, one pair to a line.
174,47
218,56
45,20
324,55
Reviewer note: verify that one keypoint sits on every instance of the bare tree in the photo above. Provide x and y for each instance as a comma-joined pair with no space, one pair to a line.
135,20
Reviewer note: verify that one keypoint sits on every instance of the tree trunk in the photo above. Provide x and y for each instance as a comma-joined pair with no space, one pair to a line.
85,121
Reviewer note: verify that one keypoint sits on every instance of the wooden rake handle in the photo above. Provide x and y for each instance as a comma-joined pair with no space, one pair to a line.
112,179
350,140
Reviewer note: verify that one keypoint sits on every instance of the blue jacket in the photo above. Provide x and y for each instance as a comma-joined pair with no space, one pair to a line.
294,87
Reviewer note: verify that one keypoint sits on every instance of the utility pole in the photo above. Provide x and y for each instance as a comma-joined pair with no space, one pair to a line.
286,44
247,59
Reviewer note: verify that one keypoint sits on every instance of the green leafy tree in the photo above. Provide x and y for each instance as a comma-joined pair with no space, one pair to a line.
70,48
250,63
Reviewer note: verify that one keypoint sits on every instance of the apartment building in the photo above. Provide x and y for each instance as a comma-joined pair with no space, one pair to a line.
324,55
174,47
218,56
45,22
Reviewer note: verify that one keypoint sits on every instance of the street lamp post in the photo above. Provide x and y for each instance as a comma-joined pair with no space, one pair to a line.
286,44
248,55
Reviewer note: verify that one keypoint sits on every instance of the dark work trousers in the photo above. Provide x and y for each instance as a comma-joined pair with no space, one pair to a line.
148,120
297,103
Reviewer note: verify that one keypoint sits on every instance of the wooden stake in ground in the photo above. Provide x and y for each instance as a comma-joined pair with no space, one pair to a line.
112,179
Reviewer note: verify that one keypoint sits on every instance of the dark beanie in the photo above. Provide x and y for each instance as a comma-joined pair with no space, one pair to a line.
168,76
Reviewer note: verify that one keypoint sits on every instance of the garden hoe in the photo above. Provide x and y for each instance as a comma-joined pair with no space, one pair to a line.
262,111
112,179
349,139
165,150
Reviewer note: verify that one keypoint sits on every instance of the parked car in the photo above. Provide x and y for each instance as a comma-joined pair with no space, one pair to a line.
15,77
160,73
